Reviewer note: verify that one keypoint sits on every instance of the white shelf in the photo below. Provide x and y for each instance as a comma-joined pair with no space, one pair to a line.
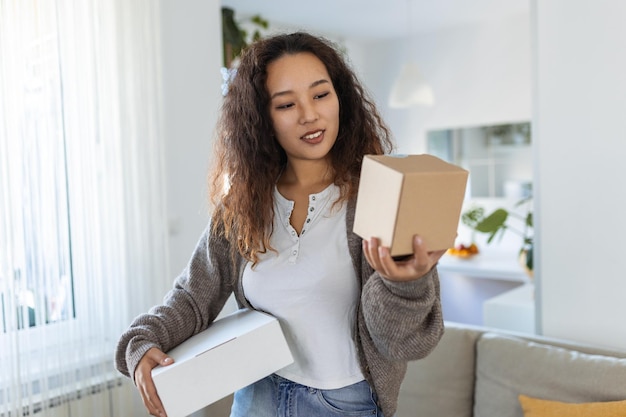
489,265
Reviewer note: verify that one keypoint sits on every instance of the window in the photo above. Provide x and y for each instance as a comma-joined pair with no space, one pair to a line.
36,281
83,230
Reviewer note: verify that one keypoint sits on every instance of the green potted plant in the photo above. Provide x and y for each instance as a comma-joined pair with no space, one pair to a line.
497,222
235,38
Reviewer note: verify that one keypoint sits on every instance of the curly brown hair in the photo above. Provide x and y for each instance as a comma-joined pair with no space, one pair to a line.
247,157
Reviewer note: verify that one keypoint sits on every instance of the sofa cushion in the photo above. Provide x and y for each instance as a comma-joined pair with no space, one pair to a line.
442,384
536,407
508,366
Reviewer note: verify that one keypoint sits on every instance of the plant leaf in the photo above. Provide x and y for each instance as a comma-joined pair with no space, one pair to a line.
232,38
473,216
523,201
230,29
494,222
259,21
529,220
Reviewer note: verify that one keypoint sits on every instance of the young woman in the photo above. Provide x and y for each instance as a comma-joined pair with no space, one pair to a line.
293,131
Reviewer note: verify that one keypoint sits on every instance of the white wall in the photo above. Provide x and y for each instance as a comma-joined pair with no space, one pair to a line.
480,74
192,57
580,108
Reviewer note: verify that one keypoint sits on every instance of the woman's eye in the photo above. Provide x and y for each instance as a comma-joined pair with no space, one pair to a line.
284,106
322,95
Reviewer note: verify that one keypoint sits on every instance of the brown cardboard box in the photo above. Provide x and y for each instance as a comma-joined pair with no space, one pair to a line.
233,352
400,196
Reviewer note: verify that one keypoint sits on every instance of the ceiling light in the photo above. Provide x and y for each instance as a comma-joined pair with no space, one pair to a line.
410,89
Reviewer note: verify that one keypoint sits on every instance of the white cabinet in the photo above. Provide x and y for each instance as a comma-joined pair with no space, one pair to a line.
467,283
513,310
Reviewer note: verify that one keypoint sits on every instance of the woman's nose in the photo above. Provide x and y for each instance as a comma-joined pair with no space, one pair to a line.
308,113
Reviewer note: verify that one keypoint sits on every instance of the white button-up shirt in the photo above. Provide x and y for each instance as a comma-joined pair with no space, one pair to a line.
311,287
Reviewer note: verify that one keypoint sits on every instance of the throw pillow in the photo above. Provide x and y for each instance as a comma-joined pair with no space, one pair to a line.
535,407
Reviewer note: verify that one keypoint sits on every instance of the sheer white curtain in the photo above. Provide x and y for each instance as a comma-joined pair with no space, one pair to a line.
83,233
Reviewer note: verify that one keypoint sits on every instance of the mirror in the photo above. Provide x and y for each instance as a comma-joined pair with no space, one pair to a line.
498,157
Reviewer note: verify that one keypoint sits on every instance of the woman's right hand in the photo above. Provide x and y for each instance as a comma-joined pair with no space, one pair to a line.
145,384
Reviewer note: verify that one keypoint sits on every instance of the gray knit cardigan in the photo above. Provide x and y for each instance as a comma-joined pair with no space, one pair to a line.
396,321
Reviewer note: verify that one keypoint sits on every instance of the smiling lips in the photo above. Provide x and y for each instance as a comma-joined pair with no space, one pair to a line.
313,137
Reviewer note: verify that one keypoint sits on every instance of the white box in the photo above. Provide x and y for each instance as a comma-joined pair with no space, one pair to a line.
233,352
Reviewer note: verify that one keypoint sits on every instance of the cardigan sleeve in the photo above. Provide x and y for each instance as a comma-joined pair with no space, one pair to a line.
404,319
197,297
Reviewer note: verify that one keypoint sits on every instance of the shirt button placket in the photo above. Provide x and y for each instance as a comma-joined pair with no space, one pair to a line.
312,200
294,254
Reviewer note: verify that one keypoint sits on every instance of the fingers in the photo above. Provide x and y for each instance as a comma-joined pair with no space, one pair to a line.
145,384
411,268
436,255
372,252
380,259
419,250
159,357
425,260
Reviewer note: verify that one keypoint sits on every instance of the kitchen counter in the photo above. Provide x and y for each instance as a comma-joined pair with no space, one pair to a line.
487,264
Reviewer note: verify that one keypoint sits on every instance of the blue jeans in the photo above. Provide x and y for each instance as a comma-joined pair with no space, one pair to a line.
275,396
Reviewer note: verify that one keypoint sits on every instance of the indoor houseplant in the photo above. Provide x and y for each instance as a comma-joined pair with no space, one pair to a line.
498,222
235,37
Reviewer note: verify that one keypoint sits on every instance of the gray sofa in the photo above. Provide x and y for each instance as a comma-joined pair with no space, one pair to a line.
479,372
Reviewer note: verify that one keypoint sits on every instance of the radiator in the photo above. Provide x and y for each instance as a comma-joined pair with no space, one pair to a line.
118,398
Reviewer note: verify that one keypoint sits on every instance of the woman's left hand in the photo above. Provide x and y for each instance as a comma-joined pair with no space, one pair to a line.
408,269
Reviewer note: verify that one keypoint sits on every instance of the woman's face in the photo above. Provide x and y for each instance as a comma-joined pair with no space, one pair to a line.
304,107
